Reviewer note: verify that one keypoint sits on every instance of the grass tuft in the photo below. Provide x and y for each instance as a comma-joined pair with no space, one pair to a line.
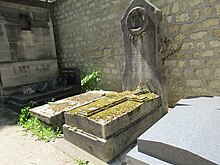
36,127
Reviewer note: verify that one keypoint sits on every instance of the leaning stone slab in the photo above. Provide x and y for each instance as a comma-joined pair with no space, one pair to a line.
108,149
187,135
53,112
111,120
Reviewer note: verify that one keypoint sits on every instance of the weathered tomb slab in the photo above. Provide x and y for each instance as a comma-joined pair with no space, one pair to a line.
53,112
109,115
108,149
187,135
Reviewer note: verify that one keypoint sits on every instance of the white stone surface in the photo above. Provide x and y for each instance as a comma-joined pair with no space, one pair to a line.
189,134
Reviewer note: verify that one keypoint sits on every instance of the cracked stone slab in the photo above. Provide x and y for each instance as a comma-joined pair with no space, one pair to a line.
53,112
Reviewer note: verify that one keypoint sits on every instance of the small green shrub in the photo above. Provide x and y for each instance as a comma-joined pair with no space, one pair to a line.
91,81
38,128
24,116
82,162
42,131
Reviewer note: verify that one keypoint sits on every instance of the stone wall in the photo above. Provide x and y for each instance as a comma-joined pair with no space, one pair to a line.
88,35
26,56
192,54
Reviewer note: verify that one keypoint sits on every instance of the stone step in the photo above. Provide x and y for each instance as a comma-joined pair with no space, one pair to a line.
134,157
108,149
105,129
16,106
21,98
189,134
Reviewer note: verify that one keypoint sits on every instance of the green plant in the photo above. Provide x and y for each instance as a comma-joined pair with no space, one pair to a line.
33,104
38,128
52,99
82,162
24,116
91,81
42,131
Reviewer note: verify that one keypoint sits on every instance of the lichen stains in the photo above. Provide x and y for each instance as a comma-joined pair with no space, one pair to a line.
115,112
59,107
81,99
121,94
143,97
98,105
113,106
73,101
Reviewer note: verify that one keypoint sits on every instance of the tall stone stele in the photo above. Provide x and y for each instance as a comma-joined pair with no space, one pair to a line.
140,26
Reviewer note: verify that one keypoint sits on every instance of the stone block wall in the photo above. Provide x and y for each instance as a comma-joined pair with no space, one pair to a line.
192,54
88,35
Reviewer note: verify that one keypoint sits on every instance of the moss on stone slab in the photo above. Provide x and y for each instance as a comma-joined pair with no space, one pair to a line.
112,100
115,112
98,105
59,107
143,97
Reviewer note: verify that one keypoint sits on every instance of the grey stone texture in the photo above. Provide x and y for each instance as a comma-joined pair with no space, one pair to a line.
26,56
110,128
141,44
142,60
88,35
192,26
134,157
108,149
189,134
52,113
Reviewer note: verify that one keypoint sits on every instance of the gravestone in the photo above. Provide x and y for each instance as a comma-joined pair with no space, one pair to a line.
108,125
140,26
189,134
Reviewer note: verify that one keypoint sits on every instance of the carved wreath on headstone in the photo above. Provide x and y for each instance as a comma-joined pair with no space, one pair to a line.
137,20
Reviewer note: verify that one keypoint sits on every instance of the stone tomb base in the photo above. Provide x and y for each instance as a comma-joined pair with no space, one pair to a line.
53,112
108,148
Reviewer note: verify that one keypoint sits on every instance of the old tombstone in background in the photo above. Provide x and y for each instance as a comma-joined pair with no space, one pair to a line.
140,26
